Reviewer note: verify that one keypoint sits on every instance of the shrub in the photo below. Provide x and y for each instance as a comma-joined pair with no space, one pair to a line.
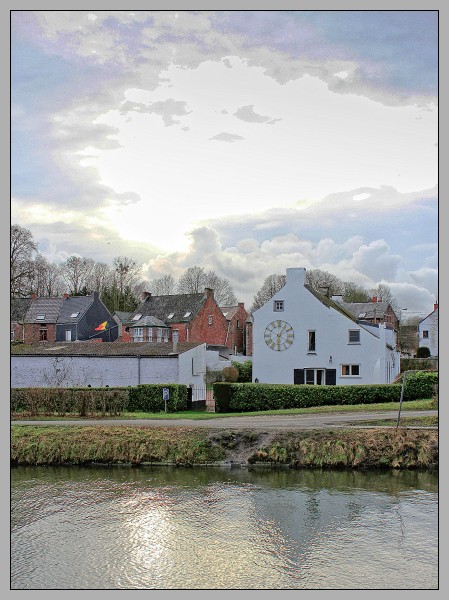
148,398
423,352
230,374
243,397
245,370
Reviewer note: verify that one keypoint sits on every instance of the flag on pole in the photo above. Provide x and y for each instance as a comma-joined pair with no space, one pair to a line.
102,326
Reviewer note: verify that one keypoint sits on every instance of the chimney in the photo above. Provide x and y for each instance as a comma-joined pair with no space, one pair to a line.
33,296
145,295
374,299
297,276
209,292
241,305
66,296
96,296
435,306
337,298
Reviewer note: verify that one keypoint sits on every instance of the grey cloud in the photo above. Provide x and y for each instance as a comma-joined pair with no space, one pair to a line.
248,114
227,137
167,109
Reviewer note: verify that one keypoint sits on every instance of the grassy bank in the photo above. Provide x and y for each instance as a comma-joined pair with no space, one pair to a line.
370,448
425,404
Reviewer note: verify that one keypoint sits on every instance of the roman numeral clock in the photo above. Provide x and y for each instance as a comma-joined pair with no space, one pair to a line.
279,335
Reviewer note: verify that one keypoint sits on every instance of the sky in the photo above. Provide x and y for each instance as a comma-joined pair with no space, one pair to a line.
246,142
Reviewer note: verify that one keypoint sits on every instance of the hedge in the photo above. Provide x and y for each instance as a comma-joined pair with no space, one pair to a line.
148,398
243,397
96,401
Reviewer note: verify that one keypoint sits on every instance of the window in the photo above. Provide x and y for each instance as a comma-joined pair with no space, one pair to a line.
136,317
238,323
68,335
175,335
354,336
350,370
315,376
166,335
40,317
73,315
278,306
150,334
170,316
188,313
42,335
138,334
425,334
312,339
159,334
210,320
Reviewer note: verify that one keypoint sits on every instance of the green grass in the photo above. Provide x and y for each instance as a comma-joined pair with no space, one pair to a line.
405,421
202,415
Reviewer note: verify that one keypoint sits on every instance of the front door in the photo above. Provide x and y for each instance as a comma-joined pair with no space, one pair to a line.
68,335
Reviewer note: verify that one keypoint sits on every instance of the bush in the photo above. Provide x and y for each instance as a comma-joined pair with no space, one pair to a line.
243,397
230,374
245,370
148,398
423,352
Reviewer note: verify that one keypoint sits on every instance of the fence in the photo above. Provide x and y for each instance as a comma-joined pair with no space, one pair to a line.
201,397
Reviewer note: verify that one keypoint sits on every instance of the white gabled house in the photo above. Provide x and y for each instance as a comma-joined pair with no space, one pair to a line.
428,332
303,337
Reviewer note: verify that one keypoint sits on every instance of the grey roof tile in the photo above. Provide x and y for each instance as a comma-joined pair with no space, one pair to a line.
178,305
101,349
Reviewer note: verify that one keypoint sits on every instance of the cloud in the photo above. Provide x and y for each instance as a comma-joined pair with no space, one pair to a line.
166,109
227,137
247,113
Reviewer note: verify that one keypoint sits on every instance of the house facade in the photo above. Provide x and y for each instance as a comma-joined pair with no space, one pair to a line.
428,332
179,318
303,337
236,317
17,312
108,364
69,319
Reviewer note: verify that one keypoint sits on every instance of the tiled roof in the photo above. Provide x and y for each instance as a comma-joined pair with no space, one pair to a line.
182,307
122,316
74,305
369,310
229,311
48,307
18,308
101,349
148,321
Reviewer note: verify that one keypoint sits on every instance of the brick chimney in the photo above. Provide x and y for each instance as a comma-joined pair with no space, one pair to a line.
435,306
209,292
145,295
66,296
33,297
374,299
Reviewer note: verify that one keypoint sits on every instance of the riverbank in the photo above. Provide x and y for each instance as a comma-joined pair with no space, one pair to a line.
346,448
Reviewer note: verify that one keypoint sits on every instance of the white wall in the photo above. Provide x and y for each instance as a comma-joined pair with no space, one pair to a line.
68,371
192,367
304,312
430,324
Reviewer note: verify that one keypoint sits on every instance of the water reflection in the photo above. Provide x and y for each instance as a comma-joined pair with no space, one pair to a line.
119,528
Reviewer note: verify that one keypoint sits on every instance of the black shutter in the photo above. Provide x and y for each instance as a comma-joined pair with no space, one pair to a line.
331,376
298,376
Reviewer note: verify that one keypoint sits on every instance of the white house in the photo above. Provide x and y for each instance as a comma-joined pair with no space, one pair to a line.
109,364
301,336
428,332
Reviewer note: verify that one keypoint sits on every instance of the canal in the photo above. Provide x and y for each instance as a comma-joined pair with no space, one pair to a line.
212,528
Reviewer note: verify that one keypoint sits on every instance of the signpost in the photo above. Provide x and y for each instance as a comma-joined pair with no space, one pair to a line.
165,396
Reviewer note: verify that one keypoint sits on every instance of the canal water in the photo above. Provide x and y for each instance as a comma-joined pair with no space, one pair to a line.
205,528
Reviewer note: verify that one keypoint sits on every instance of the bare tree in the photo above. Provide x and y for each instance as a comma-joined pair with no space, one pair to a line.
162,286
76,272
324,282
126,272
192,281
384,294
223,292
23,248
355,293
271,285
100,277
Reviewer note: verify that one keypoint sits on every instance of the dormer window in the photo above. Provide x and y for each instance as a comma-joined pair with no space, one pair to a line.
40,317
170,316
188,313
73,315
136,317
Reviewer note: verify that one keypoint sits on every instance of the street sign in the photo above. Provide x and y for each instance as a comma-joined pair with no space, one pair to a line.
165,396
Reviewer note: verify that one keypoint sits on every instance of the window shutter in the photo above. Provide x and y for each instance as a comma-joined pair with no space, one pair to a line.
331,376
298,376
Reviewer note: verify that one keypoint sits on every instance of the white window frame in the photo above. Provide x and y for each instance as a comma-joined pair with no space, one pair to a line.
175,335
315,376
310,349
278,306
351,368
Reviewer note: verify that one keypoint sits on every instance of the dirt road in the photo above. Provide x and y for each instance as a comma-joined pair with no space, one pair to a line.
262,422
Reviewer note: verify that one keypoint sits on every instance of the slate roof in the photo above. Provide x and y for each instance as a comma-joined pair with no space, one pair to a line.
369,310
149,321
102,349
18,308
163,306
75,305
122,315
49,307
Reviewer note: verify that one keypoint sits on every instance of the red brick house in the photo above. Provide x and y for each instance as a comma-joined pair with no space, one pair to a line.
185,318
17,312
236,317
69,319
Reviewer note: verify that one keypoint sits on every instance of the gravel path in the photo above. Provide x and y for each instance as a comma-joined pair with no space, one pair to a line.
262,422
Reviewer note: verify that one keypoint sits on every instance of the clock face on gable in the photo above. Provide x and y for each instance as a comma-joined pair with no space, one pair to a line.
279,335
